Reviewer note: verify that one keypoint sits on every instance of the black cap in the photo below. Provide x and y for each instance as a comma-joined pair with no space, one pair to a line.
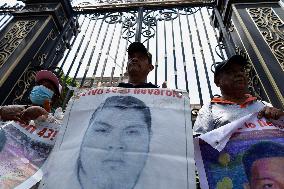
139,47
234,59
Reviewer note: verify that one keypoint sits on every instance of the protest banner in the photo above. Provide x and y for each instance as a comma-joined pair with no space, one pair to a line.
124,139
23,150
245,154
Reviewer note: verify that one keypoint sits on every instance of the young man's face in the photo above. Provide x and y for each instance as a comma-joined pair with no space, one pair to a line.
138,64
232,77
115,148
268,173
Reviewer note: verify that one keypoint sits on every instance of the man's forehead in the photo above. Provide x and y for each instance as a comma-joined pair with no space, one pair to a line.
268,168
269,163
117,116
124,110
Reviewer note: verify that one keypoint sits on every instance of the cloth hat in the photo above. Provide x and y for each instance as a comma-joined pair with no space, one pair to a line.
48,75
234,59
139,47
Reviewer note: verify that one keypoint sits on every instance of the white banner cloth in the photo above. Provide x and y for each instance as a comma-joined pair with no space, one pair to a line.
241,154
117,138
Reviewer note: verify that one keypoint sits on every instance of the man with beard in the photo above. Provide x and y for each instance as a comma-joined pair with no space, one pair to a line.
139,66
235,101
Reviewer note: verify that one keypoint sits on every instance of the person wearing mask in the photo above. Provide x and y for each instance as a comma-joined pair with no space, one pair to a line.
43,95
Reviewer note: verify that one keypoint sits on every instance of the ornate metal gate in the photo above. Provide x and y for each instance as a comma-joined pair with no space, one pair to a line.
183,52
179,34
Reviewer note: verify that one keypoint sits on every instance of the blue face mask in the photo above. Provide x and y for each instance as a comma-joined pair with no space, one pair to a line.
39,94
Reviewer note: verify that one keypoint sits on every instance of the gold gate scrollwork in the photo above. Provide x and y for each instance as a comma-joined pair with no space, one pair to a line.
24,84
13,38
272,30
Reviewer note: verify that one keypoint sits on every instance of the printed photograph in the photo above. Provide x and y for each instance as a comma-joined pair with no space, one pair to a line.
124,142
250,160
20,156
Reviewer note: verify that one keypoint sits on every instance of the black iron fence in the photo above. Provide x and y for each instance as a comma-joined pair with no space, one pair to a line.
182,40
183,43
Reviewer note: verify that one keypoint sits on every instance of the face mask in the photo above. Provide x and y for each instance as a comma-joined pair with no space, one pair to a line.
39,94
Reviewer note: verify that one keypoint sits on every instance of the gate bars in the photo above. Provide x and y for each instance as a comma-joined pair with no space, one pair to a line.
181,41
5,11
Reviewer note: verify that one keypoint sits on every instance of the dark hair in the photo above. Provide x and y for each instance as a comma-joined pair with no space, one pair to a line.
120,102
264,149
125,102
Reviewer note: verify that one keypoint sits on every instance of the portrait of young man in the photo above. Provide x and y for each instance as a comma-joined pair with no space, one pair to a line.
116,144
123,141
264,166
